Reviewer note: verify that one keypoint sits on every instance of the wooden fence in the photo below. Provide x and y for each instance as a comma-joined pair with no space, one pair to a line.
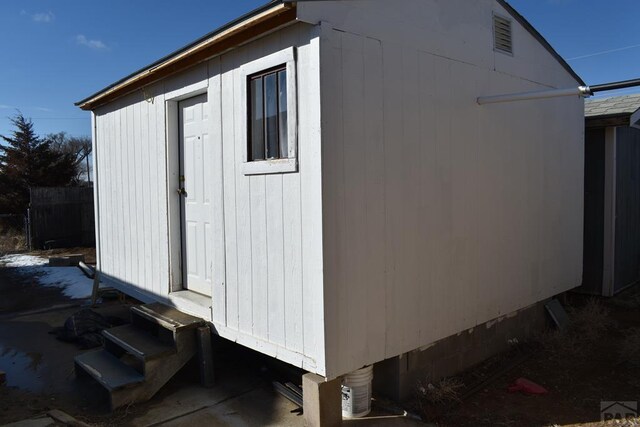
62,217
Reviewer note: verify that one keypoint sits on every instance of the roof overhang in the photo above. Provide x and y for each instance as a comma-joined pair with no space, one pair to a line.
248,27
608,120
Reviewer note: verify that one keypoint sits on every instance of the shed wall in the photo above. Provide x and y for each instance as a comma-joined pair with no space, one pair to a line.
594,173
627,223
268,276
439,214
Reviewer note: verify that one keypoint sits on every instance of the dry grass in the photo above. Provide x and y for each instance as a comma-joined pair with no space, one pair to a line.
587,325
12,240
443,392
435,399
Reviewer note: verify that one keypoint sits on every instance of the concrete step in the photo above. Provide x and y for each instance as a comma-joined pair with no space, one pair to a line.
165,316
107,369
138,343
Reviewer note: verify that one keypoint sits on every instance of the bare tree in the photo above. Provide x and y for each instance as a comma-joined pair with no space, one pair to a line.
79,147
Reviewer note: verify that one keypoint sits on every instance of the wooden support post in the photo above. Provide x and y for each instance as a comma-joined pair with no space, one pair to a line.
96,288
205,357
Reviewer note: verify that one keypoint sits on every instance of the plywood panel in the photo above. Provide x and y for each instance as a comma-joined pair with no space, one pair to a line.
274,214
229,199
627,226
479,204
266,218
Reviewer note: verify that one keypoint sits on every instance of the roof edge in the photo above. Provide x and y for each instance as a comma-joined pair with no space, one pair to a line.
531,29
174,62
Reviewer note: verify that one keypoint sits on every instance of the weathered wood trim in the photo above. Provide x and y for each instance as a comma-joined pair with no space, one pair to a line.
607,121
219,43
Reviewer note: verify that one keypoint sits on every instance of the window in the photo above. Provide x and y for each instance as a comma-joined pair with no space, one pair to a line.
268,94
268,130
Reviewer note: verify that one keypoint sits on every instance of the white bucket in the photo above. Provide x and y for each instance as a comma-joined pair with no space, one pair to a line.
356,393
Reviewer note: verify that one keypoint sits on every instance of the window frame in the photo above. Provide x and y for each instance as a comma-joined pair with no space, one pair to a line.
285,59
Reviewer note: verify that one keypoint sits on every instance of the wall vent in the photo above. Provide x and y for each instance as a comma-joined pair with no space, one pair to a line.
502,40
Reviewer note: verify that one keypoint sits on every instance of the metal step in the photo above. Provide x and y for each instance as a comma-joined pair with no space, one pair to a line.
165,316
107,369
138,343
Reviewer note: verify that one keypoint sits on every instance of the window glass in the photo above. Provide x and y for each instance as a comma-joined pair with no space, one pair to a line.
271,115
267,133
282,113
256,147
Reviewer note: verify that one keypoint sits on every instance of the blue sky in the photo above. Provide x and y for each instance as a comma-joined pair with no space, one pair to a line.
58,52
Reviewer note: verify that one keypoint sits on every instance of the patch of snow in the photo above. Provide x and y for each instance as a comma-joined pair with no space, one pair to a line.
23,260
71,280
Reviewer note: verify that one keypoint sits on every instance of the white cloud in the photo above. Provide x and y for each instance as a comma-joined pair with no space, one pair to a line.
93,44
43,17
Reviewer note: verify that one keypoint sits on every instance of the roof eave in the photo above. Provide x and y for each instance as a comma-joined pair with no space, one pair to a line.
268,18
607,120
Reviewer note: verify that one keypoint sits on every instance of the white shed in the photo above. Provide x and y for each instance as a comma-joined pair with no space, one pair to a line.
317,180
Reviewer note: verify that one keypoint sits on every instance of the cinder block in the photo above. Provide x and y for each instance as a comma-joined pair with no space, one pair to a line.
322,403
397,377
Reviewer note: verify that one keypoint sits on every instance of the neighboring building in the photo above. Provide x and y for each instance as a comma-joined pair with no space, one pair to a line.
612,195
392,211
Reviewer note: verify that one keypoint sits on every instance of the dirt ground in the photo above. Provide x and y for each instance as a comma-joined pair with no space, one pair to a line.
580,369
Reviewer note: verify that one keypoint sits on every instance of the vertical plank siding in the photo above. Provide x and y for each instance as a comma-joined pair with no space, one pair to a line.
264,303
439,214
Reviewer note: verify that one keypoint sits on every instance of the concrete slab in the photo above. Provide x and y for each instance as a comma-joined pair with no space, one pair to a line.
40,371
257,405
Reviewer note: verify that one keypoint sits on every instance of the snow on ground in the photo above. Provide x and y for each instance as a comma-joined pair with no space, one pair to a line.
71,280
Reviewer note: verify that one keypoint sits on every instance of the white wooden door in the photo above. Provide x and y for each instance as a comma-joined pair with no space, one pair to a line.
196,177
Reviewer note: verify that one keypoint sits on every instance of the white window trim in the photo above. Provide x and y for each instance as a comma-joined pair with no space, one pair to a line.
259,167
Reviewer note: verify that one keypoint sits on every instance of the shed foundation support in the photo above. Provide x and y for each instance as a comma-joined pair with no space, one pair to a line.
397,377
322,404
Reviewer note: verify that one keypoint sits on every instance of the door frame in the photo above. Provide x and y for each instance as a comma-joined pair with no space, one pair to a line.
215,307
174,204
181,198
